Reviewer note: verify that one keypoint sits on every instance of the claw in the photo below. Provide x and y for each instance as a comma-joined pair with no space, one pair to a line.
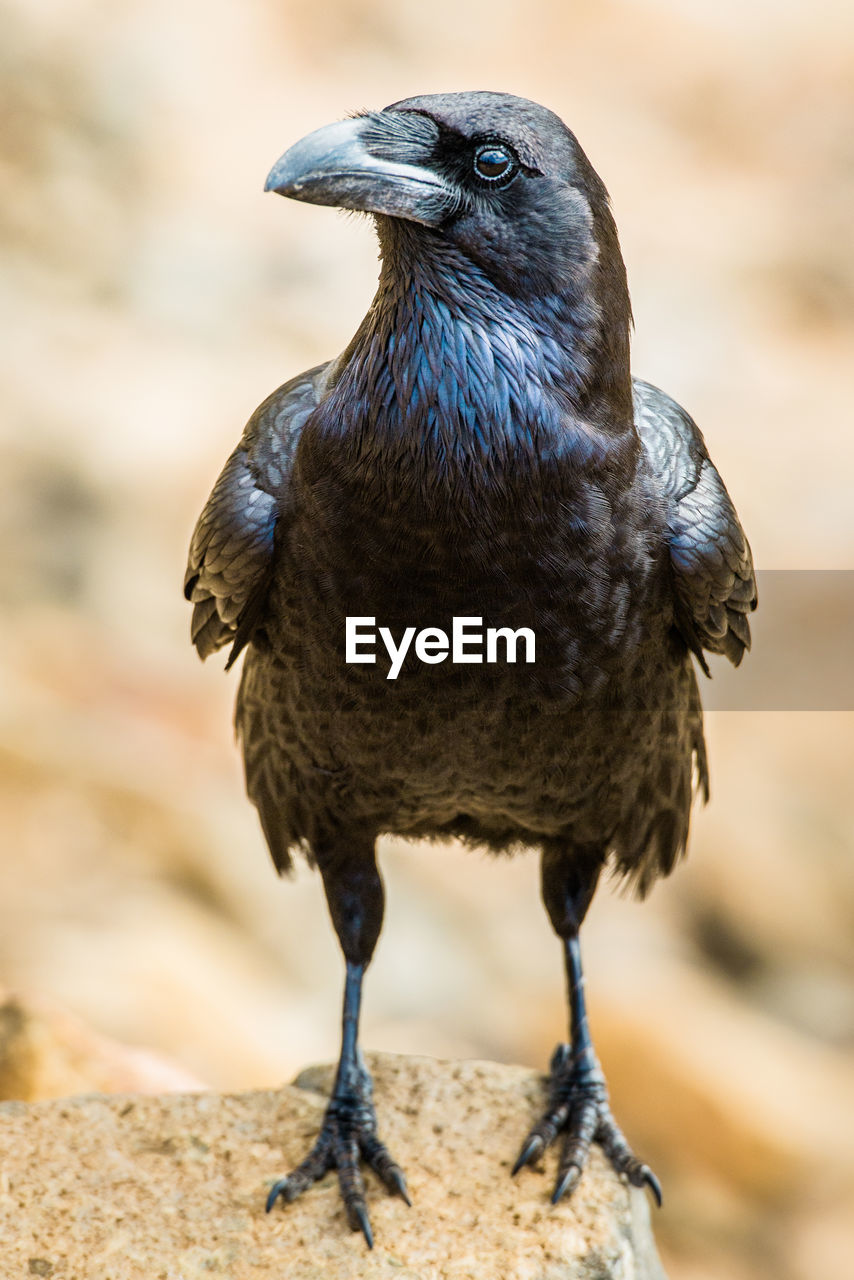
397,1183
357,1216
531,1150
566,1183
578,1108
648,1177
384,1166
278,1189
347,1137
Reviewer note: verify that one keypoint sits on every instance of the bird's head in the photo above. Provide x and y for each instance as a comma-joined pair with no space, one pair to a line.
498,177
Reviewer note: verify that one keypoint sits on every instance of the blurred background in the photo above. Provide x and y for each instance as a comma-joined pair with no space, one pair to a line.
151,296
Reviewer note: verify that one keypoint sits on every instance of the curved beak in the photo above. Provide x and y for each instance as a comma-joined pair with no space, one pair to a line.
378,163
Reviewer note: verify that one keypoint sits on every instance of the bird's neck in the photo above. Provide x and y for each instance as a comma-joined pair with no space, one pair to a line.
448,377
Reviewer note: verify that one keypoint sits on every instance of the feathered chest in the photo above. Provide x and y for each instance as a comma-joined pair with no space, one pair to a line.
545,548
447,472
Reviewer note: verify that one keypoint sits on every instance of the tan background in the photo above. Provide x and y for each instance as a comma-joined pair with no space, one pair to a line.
151,296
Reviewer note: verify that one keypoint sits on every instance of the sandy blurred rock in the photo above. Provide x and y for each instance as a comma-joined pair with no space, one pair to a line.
174,1186
48,1053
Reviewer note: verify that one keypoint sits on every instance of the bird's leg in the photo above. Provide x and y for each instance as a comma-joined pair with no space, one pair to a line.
578,1096
349,1131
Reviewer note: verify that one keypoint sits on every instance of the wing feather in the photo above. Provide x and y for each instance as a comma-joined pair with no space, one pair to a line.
714,581
231,552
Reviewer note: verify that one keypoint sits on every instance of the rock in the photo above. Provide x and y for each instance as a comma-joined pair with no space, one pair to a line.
173,1187
45,1052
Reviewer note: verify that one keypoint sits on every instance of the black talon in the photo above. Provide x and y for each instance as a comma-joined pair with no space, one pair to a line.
357,1216
277,1189
648,1177
397,1183
566,1183
532,1148
384,1166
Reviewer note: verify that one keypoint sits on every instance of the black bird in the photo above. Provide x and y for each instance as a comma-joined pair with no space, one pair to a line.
480,450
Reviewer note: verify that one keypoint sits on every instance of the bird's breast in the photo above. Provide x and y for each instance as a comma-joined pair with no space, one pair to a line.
550,555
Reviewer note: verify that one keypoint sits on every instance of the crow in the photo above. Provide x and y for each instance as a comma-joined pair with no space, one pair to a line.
479,454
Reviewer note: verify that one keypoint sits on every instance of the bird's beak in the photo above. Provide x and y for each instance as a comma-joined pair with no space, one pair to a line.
376,163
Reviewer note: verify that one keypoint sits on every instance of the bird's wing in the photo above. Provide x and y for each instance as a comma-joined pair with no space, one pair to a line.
232,547
714,582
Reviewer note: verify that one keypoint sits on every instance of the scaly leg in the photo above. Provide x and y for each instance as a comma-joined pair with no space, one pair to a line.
578,1096
349,1131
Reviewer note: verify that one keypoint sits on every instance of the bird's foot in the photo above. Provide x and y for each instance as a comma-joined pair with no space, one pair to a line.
578,1108
348,1136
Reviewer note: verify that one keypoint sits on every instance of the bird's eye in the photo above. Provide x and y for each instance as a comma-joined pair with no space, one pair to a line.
494,164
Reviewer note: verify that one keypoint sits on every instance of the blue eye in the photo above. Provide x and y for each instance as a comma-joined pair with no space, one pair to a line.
493,162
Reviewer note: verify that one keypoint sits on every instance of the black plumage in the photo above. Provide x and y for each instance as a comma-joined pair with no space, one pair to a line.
480,450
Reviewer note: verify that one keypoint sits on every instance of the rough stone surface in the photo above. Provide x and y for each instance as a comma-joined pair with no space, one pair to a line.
172,1188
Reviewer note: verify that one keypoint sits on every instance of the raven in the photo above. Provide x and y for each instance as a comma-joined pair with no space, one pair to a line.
479,452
